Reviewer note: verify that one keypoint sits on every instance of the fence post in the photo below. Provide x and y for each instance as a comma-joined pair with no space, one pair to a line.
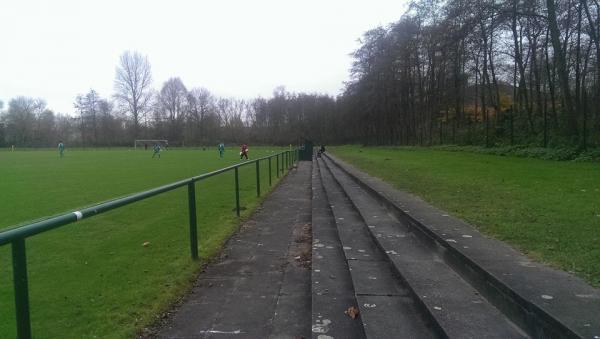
269,171
193,222
257,178
237,192
21,289
277,167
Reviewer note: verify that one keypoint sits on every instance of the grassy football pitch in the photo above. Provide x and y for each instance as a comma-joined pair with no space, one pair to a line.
94,278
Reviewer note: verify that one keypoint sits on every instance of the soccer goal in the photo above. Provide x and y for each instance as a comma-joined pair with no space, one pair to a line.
149,143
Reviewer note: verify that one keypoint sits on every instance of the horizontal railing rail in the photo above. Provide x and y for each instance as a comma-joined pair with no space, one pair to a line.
16,236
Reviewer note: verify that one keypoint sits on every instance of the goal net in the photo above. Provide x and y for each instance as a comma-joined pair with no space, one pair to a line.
149,143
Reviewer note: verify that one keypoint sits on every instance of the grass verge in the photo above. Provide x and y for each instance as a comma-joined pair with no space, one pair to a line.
549,210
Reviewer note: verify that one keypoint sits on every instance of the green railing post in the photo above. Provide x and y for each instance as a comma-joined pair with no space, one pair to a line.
277,167
237,192
21,288
257,178
193,222
269,171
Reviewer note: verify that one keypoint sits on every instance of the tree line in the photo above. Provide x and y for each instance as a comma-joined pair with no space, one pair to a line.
479,72
185,117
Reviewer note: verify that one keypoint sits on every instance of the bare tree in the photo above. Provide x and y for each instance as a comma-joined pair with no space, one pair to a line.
173,102
21,120
87,105
132,85
201,111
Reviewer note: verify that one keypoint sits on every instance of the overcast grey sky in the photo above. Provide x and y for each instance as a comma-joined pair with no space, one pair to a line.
57,49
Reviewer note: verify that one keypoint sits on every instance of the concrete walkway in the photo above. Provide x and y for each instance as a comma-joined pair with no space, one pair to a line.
261,286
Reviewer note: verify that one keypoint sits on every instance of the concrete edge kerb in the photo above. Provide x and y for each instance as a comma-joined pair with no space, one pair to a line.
521,310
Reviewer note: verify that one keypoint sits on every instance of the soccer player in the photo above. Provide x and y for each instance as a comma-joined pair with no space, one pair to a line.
61,148
156,150
244,152
221,150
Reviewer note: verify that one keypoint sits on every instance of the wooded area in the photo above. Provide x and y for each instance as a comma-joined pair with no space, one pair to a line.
480,72
473,72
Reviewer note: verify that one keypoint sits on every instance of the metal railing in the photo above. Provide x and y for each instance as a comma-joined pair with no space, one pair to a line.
16,236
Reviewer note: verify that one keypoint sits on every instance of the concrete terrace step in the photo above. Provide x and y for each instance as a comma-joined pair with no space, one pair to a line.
458,310
332,289
545,302
386,306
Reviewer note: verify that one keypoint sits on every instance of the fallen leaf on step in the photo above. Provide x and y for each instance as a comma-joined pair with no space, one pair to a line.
352,312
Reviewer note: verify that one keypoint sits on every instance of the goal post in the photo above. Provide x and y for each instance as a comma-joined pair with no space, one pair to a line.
149,142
